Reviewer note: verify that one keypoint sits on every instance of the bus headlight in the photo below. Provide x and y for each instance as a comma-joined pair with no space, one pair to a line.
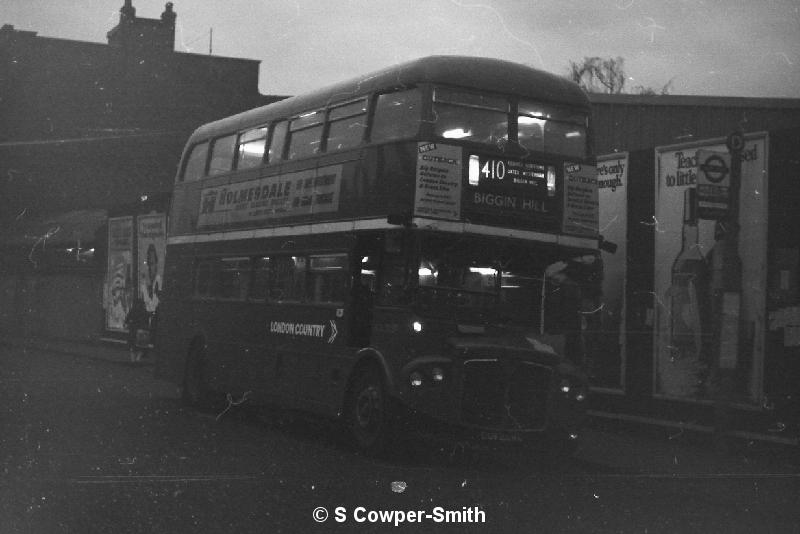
427,373
437,374
577,392
416,379
565,386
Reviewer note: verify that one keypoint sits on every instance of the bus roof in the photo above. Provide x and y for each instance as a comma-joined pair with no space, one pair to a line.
483,74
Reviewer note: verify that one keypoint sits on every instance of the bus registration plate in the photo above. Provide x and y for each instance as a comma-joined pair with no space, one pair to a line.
500,436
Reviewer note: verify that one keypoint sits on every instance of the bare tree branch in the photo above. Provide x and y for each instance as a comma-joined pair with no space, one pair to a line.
607,75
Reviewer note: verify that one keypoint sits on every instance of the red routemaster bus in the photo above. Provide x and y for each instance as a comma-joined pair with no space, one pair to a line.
420,241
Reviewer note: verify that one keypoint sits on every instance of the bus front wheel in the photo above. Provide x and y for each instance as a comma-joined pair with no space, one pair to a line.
368,411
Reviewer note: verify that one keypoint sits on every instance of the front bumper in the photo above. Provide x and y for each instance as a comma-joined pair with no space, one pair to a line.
494,400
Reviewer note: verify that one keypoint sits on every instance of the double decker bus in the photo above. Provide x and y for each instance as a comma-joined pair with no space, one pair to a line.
413,244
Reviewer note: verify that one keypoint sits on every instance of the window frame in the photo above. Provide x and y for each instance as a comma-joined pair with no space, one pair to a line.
422,111
518,106
274,259
281,154
305,127
204,171
330,121
245,277
211,272
233,158
507,109
342,267
240,143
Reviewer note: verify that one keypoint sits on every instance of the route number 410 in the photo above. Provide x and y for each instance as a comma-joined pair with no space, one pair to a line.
494,169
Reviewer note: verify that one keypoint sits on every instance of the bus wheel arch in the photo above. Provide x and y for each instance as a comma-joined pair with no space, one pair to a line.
368,406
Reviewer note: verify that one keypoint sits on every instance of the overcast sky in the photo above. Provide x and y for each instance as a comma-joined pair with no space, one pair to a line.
706,47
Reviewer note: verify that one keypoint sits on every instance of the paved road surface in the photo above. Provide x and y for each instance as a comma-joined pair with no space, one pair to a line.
97,446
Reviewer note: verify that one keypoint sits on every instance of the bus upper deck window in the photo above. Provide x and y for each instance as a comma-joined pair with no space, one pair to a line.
196,163
347,125
551,128
222,155
251,148
397,115
470,116
306,135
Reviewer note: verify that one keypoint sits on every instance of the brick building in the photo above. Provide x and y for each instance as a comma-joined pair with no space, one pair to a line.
89,130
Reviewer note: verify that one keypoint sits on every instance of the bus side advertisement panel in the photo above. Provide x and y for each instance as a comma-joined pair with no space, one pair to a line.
308,192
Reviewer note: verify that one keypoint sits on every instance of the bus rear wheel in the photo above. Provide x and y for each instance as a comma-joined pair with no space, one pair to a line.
368,411
195,392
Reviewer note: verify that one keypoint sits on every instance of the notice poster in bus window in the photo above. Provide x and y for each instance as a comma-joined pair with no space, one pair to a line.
152,238
685,248
609,357
118,290
580,199
275,197
439,175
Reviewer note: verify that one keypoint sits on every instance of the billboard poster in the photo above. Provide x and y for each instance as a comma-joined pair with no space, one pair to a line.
152,244
118,290
580,199
274,197
438,191
608,365
684,347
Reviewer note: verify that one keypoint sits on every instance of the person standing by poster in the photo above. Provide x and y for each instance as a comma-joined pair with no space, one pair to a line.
150,287
137,323
151,280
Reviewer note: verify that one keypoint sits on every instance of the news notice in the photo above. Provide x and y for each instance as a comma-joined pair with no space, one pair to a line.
439,176
581,206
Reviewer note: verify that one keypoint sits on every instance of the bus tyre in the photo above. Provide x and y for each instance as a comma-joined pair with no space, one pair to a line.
368,411
195,392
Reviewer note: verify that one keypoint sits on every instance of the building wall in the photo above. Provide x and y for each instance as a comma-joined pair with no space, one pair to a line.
86,128
634,122
57,88
91,125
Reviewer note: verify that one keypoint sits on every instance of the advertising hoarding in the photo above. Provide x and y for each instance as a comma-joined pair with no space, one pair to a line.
684,349
118,290
609,359
152,245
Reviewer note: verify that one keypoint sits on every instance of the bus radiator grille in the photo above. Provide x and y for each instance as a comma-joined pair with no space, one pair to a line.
505,395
